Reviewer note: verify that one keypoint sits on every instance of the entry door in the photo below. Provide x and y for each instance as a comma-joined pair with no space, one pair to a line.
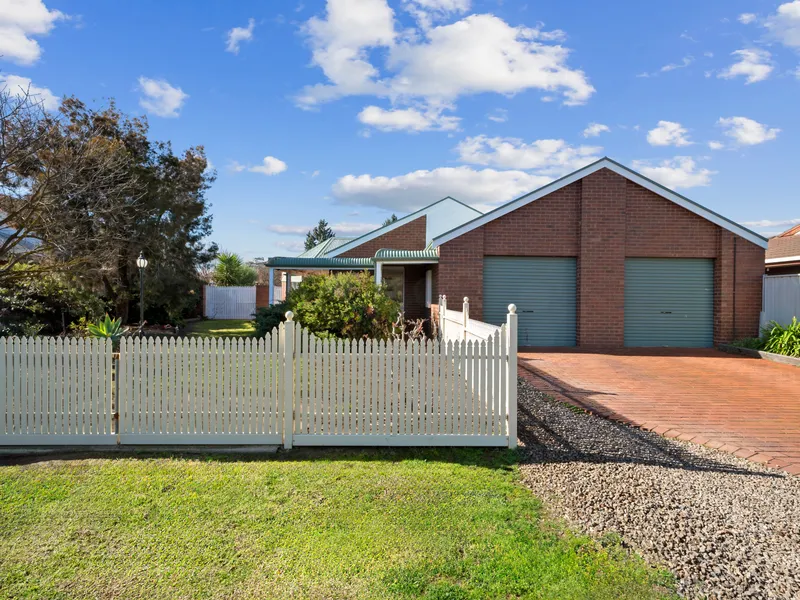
394,278
669,302
544,290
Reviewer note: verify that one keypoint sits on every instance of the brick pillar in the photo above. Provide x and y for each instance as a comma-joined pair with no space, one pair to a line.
601,264
723,288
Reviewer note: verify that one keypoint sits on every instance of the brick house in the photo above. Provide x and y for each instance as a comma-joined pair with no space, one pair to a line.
783,253
600,258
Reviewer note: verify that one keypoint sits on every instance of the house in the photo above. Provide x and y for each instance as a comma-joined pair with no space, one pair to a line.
601,258
783,253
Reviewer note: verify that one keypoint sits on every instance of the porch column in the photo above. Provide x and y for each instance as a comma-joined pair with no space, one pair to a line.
271,286
378,273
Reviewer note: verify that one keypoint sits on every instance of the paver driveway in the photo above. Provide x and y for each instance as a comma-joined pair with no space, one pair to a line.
746,406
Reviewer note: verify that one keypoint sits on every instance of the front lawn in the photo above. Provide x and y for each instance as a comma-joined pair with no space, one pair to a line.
430,524
221,328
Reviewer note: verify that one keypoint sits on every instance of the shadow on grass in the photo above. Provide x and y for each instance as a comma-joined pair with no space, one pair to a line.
492,458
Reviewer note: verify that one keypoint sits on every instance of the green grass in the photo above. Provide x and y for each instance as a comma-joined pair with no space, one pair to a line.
433,524
221,328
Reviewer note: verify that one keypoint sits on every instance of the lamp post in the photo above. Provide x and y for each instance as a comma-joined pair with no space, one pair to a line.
141,262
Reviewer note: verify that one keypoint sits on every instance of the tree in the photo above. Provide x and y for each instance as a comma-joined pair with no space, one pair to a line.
96,191
390,220
320,233
232,270
47,179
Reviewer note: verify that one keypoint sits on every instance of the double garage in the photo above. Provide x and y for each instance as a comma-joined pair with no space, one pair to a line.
606,258
668,301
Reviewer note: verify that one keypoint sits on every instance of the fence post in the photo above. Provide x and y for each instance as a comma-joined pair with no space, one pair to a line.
442,319
287,353
511,378
465,310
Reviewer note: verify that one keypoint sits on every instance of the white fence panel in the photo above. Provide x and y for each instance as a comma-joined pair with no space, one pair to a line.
781,299
234,302
200,391
404,392
55,391
455,325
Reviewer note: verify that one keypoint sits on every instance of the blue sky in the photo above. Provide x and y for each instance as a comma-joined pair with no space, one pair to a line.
353,109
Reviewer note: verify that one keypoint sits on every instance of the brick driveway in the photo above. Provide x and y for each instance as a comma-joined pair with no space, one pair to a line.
746,406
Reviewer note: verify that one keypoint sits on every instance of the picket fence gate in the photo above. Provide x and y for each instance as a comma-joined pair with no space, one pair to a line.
289,387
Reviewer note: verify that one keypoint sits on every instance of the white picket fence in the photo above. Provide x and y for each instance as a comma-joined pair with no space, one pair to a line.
456,326
289,387
55,391
781,299
230,302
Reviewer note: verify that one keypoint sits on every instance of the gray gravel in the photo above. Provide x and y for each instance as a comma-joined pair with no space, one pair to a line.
725,527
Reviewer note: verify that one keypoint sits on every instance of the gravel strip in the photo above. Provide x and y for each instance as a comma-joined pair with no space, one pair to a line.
725,527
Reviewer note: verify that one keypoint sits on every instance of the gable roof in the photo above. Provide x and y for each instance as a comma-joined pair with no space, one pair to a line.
354,243
325,246
784,247
612,165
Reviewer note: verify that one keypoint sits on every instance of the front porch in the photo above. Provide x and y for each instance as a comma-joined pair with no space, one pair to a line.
407,275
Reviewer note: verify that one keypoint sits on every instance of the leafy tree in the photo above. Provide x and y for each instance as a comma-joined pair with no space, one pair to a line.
390,220
103,192
320,233
232,270
348,305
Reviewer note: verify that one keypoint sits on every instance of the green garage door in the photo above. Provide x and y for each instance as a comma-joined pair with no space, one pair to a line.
543,290
669,302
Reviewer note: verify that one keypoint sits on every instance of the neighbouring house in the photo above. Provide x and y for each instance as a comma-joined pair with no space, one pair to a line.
601,258
783,253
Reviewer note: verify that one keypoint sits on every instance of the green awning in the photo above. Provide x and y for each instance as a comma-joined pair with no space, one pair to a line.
295,262
388,255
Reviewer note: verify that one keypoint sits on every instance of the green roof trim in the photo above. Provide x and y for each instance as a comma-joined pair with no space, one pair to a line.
388,255
296,262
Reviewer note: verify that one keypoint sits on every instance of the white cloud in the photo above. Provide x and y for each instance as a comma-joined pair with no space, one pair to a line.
595,129
754,64
269,166
236,167
408,119
18,86
483,53
676,173
161,98
747,132
288,229
480,53
716,145
767,223
237,35
668,133
553,157
20,21
414,190
427,11
687,60
784,25
315,174
498,115
747,18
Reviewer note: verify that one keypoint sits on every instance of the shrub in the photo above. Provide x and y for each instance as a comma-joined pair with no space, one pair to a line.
348,305
232,270
107,328
783,339
750,343
269,317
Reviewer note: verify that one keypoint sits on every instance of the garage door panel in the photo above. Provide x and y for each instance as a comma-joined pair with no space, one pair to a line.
544,290
669,302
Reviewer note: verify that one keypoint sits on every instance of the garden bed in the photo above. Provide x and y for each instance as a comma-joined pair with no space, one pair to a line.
778,358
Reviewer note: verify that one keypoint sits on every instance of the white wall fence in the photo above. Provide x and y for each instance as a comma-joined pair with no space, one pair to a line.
289,387
455,325
229,302
781,299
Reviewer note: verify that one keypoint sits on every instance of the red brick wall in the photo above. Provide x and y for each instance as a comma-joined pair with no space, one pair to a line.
262,296
411,236
602,219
